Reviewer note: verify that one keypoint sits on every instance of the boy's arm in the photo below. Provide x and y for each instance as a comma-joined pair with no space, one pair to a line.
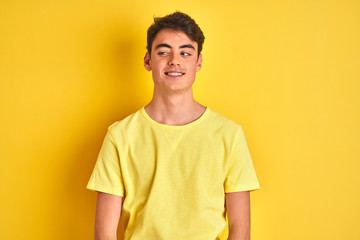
108,212
238,210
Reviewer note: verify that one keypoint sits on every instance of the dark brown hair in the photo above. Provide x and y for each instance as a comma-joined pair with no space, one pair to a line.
177,21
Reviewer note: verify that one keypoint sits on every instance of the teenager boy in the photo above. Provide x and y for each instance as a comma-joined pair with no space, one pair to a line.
175,168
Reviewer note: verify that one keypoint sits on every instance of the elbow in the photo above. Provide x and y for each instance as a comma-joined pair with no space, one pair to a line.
239,232
103,235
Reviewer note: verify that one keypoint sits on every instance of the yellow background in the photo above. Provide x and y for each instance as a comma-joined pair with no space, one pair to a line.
287,71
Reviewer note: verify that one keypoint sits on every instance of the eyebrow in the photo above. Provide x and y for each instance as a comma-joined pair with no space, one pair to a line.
168,46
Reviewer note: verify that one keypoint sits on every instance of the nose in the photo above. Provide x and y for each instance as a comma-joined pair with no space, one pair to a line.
174,59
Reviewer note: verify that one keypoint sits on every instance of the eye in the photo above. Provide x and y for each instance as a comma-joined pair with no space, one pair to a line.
185,54
162,53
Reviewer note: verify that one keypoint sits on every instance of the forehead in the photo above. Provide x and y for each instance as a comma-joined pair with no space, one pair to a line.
174,38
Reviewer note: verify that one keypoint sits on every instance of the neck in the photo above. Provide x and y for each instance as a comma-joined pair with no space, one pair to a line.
174,109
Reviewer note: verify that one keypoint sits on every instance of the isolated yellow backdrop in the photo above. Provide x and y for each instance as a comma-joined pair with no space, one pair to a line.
287,71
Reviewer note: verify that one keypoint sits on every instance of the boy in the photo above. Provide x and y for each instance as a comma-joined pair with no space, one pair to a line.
174,168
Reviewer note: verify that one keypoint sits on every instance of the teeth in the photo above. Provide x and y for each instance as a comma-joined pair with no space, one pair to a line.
174,74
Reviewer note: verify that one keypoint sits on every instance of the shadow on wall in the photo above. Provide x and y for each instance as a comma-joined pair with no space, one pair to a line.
123,99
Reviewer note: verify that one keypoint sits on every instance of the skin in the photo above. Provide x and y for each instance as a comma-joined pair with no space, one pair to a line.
108,211
238,210
173,104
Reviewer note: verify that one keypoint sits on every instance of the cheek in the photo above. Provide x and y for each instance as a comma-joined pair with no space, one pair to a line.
194,69
157,66
156,72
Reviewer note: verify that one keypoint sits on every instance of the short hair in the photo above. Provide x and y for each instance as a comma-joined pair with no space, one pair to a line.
177,21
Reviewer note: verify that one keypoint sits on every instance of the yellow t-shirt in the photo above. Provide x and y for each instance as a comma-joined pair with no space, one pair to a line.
173,178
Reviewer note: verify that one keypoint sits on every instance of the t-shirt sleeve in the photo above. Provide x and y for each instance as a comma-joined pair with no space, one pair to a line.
240,172
106,176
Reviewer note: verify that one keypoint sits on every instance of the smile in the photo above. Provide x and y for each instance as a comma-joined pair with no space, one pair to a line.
174,73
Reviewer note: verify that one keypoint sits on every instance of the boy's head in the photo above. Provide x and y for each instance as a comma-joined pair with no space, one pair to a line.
177,21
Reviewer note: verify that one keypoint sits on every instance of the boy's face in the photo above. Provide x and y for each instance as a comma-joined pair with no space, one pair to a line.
174,61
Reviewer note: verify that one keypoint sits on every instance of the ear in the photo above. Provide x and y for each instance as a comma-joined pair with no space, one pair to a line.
199,63
147,61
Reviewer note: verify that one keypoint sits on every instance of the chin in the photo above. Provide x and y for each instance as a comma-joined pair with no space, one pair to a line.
178,89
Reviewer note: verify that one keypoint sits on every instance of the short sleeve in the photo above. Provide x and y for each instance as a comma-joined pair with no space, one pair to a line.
106,176
240,172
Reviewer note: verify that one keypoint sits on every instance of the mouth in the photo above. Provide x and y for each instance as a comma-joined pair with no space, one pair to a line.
174,74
